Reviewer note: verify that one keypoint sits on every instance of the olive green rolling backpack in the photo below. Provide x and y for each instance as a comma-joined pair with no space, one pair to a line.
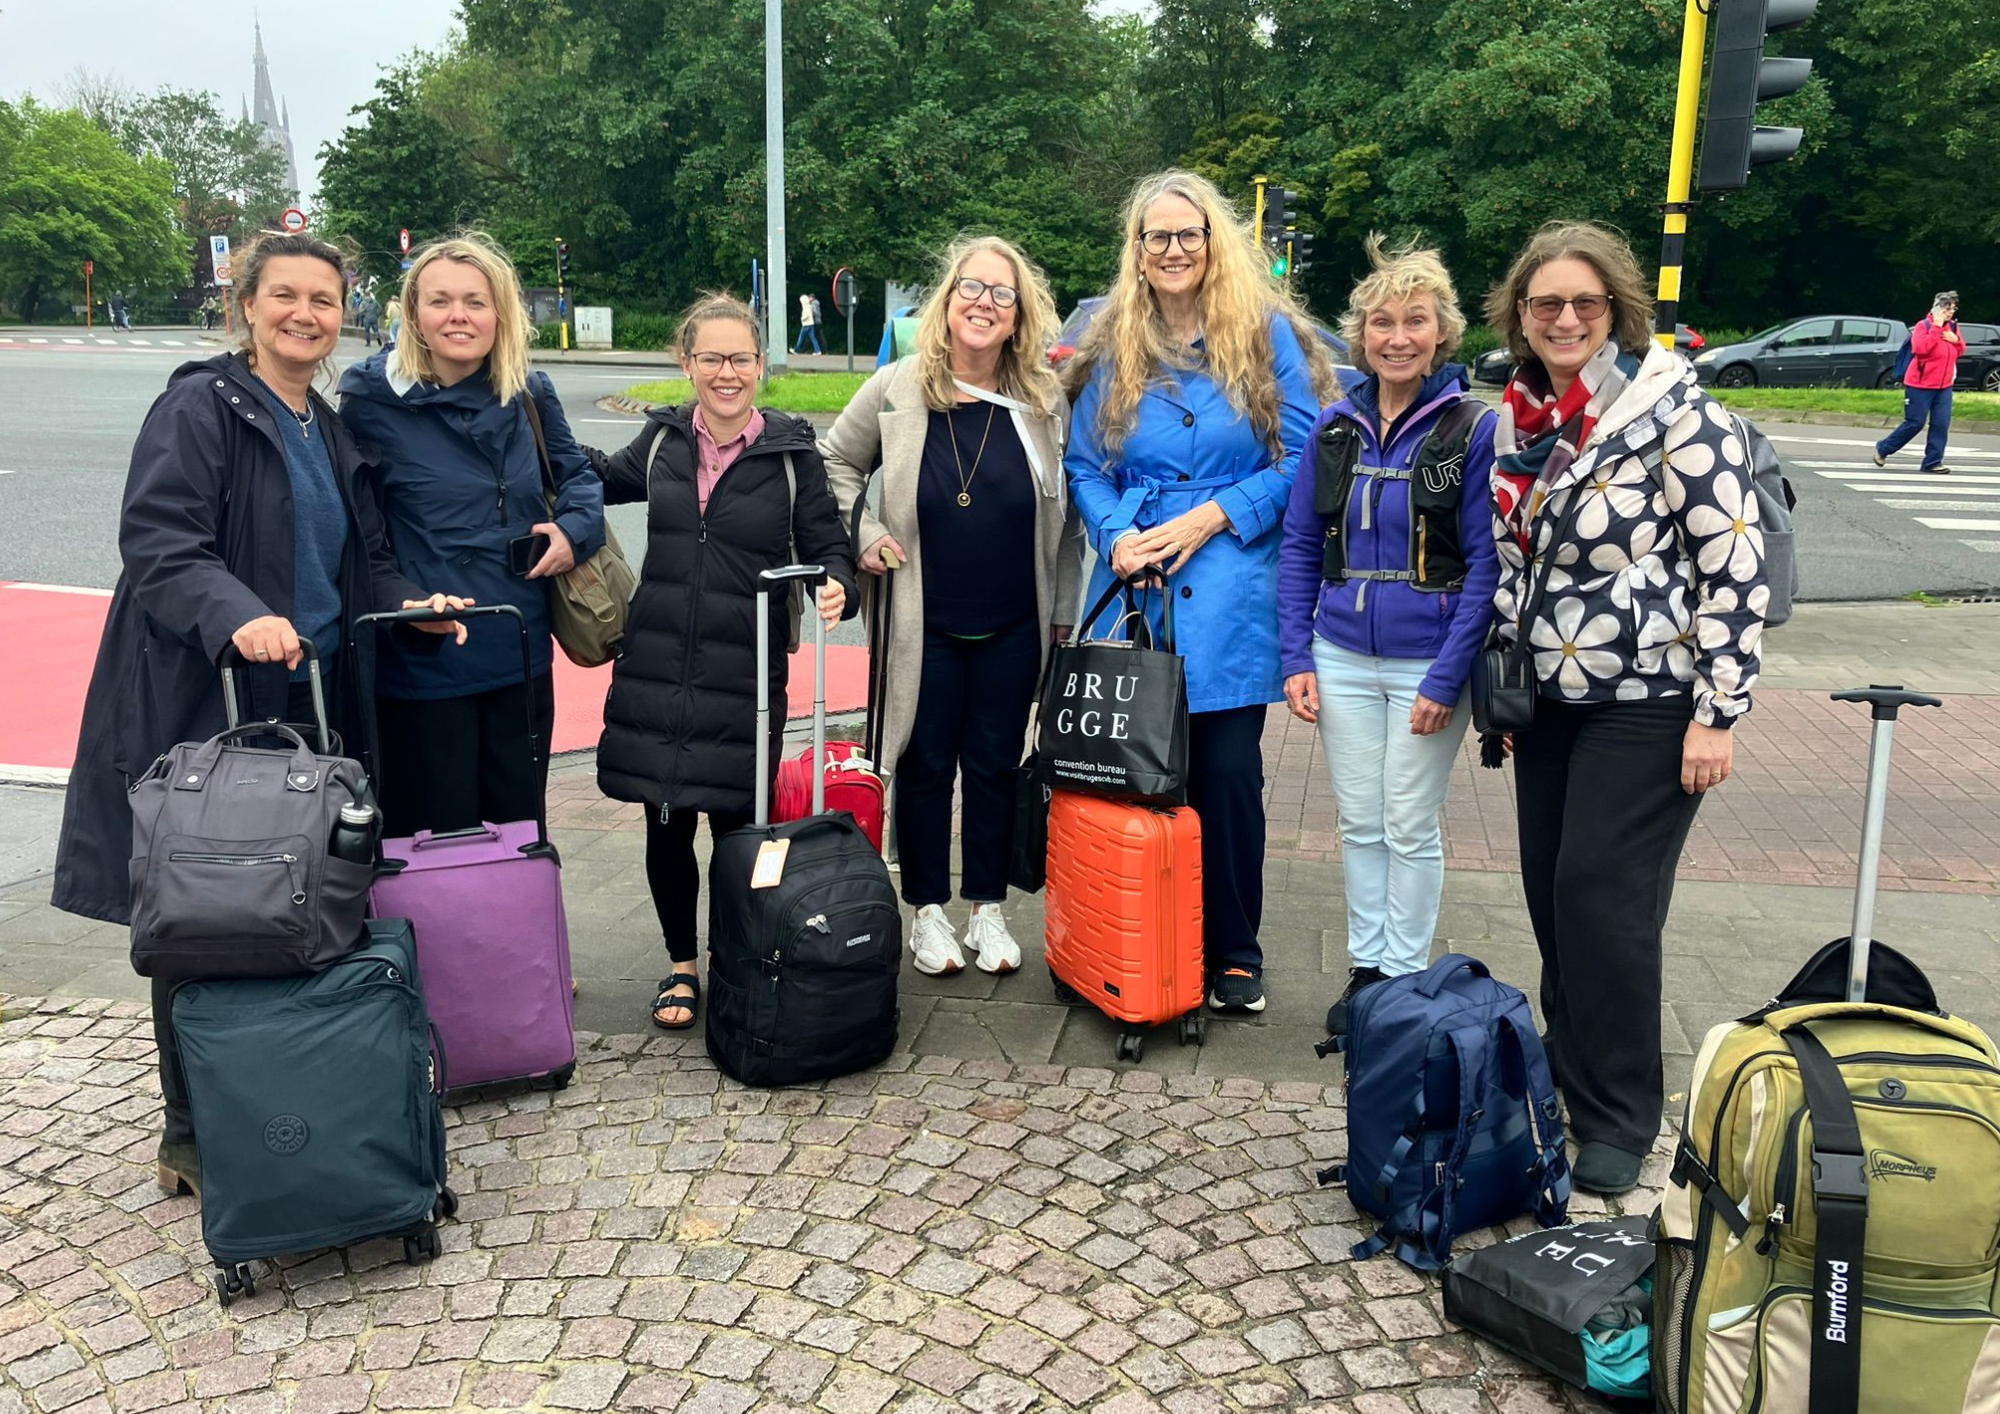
1830,1239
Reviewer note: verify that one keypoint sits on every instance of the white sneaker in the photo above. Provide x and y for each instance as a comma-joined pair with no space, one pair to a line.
998,952
933,945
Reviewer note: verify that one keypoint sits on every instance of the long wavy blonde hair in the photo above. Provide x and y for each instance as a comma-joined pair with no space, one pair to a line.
1024,363
507,365
1238,299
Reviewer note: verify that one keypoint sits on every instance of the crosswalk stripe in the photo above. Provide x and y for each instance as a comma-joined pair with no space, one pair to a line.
1860,479
38,341
1927,491
175,343
1862,442
141,342
1938,507
1985,547
1952,523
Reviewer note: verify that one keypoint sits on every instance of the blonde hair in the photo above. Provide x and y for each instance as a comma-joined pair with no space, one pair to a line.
507,365
1606,252
1402,274
712,305
1238,299
1024,363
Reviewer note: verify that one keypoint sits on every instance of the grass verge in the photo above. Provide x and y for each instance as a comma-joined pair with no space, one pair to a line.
788,392
1868,402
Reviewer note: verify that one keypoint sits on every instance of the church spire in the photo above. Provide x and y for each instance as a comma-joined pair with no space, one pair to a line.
267,113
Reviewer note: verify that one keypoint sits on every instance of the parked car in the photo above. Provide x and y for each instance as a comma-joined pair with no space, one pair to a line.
1979,365
1070,336
1496,366
1825,351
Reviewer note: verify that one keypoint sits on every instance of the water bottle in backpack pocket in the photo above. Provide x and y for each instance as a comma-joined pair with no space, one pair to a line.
1452,1118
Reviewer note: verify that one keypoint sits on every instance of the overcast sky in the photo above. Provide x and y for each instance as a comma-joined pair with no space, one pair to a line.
324,58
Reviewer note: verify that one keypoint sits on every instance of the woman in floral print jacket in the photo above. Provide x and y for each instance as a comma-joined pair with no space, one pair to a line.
1612,460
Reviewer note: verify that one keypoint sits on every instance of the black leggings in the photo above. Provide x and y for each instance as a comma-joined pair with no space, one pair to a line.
450,763
674,876
1602,819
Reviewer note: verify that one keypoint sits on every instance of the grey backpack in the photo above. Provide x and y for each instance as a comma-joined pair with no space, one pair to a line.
231,875
1775,500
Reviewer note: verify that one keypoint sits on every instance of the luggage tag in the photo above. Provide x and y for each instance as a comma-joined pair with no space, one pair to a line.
770,865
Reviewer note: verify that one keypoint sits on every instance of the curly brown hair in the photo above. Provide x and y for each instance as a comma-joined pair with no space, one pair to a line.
1607,252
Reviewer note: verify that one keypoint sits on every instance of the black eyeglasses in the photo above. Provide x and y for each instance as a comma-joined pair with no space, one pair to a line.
970,290
712,362
1548,308
1191,240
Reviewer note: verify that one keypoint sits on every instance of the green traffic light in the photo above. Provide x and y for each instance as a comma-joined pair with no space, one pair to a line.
1280,266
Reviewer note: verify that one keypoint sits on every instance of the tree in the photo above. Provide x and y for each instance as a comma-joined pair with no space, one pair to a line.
69,193
1209,63
226,176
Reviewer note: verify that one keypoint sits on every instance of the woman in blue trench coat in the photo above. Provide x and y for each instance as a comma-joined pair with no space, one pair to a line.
1200,382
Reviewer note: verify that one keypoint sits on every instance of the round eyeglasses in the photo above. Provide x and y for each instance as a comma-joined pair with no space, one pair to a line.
970,290
1192,239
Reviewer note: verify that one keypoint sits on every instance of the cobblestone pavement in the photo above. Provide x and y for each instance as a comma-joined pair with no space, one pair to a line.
936,1234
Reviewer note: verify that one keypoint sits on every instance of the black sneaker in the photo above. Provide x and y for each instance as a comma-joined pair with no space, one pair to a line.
1236,990
1357,978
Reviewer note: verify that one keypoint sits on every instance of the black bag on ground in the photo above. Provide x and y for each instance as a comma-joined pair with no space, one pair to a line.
315,1104
231,875
1113,715
805,935
1576,1301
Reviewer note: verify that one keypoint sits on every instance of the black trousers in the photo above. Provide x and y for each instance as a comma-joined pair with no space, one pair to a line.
972,717
674,875
449,763
1226,789
1602,818
178,1123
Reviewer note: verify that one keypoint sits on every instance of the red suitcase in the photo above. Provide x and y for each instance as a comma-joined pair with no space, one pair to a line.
1124,913
851,785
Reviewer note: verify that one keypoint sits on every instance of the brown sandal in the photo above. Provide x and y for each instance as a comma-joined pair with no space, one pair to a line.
672,996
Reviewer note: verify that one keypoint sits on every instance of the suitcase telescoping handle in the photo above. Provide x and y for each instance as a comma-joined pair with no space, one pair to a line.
229,656
483,611
767,582
1887,702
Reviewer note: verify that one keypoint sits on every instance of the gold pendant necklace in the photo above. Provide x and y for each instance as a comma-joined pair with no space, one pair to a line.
965,478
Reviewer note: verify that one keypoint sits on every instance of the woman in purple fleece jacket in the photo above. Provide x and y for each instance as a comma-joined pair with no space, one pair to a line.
1386,572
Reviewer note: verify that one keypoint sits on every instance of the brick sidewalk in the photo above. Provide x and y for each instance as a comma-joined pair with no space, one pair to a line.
932,1235
1791,814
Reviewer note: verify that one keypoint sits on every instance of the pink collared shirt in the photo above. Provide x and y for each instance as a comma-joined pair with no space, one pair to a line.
713,459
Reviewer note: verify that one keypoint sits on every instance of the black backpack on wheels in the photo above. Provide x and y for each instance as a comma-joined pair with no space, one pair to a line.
805,934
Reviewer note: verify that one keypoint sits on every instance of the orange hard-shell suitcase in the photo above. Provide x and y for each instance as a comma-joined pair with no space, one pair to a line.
1124,913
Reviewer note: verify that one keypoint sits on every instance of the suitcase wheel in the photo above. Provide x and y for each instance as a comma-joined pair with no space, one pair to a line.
447,1205
420,1246
1131,1046
1193,1028
560,1079
232,1282
1065,994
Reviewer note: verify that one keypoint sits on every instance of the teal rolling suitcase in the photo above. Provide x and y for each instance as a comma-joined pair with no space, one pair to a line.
316,1109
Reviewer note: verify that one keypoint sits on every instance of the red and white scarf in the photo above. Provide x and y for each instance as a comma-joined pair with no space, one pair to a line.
1540,434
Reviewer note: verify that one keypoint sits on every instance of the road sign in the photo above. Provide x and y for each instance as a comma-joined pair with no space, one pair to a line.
294,220
403,240
90,267
218,257
843,290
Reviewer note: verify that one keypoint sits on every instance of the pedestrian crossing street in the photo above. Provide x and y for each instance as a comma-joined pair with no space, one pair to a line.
91,339
1964,505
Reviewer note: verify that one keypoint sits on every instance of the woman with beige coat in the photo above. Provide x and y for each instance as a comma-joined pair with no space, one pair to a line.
975,521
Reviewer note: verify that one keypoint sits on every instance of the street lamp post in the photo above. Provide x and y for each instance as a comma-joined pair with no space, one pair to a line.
774,178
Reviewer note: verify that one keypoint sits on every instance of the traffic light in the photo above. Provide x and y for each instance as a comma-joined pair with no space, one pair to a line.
1302,252
562,262
1281,221
1740,78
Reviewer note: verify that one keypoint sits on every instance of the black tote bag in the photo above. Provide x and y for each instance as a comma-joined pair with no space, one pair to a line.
1113,717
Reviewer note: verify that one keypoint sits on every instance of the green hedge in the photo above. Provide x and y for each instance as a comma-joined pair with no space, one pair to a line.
628,331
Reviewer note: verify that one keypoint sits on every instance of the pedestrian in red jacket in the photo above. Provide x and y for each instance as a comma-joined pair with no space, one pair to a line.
1935,345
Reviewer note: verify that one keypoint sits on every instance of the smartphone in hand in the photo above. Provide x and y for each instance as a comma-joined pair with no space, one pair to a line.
524,552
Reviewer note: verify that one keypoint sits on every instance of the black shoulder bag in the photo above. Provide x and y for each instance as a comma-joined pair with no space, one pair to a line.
1503,676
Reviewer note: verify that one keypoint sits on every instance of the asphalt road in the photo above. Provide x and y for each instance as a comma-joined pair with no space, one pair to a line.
68,414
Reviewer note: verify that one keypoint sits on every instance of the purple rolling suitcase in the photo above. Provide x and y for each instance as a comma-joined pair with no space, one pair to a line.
492,940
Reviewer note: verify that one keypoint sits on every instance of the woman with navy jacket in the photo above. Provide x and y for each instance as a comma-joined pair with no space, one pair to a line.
1199,383
1386,572
445,416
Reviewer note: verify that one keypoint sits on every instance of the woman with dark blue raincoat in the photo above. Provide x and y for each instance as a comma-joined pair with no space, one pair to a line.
444,415
1199,384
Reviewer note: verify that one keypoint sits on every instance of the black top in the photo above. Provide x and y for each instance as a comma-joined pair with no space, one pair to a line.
979,558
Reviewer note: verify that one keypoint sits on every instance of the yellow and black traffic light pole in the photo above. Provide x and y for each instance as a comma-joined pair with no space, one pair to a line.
1258,234
1680,171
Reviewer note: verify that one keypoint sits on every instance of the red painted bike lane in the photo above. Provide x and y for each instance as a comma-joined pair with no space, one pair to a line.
48,645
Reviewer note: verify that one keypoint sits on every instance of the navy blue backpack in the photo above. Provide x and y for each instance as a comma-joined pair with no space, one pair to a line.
1904,355
1452,1119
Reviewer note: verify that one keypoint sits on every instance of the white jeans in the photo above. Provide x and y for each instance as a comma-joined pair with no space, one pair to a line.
1390,786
